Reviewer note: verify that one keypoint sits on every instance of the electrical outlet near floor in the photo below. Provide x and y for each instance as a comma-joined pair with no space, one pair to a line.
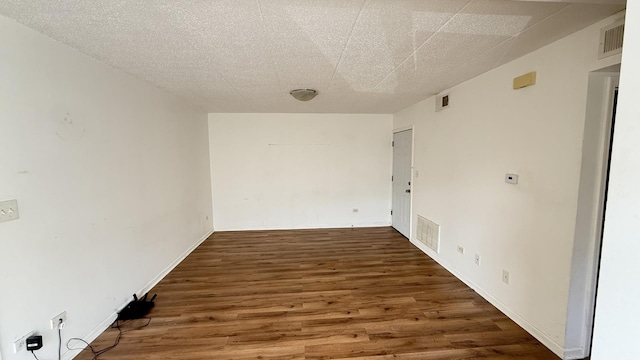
460,249
9,210
505,277
59,320
21,343
477,260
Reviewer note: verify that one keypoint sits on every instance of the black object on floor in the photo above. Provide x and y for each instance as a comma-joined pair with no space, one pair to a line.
137,308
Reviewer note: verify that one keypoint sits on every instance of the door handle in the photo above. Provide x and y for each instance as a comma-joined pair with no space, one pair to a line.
408,191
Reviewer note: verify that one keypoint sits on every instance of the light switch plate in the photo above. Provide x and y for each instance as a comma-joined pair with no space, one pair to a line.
9,210
505,277
511,178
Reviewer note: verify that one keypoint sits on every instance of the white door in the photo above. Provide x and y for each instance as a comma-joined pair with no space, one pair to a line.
401,193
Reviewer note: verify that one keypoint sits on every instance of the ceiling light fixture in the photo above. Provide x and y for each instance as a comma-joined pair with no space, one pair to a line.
303,94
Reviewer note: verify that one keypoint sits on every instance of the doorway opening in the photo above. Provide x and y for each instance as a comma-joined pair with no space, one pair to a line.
401,182
594,176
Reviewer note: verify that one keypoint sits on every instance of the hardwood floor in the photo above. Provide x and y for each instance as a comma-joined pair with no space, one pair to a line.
361,294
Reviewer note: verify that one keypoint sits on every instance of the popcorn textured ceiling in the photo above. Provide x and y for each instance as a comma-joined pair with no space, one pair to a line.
363,56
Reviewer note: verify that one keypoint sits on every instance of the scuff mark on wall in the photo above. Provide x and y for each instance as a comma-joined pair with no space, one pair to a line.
68,127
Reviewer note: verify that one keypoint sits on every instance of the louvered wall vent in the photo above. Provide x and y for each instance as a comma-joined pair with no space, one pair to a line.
442,102
428,233
611,38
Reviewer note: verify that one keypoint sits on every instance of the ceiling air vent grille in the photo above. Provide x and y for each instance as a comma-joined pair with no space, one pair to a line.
611,38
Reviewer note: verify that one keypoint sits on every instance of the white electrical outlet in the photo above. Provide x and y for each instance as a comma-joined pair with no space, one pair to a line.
477,260
21,343
55,321
460,249
9,210
505,277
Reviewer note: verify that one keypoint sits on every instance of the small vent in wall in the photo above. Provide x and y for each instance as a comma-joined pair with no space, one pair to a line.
611,38
428,233
442,102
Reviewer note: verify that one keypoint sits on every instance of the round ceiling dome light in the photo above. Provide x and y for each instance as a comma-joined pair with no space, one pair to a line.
304,94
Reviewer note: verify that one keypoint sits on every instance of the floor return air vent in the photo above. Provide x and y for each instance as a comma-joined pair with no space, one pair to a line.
428,233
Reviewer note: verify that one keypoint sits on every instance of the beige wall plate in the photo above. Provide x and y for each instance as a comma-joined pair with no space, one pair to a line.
525,80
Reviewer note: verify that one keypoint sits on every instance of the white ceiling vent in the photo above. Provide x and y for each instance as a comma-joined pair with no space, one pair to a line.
611,38
428,233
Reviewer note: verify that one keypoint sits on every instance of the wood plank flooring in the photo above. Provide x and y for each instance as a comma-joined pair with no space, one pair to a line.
359,294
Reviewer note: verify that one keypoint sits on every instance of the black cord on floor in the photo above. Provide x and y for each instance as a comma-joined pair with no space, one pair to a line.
114,325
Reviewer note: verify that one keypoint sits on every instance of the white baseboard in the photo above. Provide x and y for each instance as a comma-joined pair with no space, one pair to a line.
93,334
526,325
575,354
173,265
304,227
104,325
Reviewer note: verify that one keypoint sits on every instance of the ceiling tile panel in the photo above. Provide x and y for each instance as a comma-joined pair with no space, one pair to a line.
386,34
534,11
436,69
368,56
440,57
306,39
479,65
487,24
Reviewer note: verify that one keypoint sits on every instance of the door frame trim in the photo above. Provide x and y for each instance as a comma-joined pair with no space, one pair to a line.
404,128
585,253
610,103
412,177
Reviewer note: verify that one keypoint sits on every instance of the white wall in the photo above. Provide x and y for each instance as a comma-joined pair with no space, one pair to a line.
462,154
287,171
113,184
617,328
